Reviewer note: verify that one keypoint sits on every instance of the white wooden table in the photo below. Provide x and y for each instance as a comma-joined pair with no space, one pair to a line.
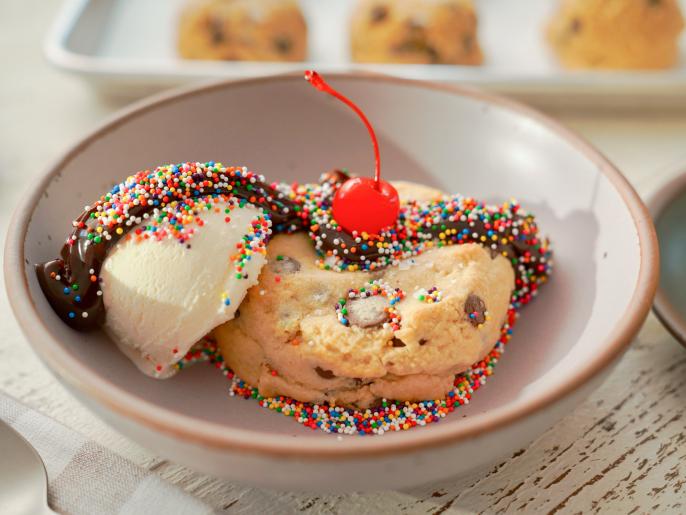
623,450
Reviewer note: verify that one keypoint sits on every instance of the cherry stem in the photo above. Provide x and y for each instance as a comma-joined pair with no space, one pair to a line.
318,82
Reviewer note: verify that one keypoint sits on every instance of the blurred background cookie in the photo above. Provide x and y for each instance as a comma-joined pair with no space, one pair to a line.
415,31
622,34
243,30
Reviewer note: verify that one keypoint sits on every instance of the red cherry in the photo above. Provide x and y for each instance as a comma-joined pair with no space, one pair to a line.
360,206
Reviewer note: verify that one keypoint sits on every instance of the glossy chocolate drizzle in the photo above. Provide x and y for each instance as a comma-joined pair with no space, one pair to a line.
525,250
71,284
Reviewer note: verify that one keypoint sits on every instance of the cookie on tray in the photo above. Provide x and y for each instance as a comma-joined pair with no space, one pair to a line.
355,338
415,31
243,30
616,34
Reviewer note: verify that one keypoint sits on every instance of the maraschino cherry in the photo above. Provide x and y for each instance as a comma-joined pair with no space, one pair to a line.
361,204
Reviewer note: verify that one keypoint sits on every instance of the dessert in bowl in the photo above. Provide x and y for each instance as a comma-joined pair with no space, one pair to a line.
483,147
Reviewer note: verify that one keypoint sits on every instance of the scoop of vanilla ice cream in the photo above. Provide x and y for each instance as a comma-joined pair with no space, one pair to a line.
161,296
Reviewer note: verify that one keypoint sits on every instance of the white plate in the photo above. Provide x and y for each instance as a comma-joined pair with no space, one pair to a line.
129,47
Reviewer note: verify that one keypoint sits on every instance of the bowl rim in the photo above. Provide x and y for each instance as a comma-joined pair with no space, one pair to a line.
671,187
222,438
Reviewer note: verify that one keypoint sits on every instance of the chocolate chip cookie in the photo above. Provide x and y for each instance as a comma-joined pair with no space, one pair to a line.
354,338
619,34
415,31
245,30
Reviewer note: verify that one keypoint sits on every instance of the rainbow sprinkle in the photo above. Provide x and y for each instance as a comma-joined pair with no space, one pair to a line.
176,194
430,296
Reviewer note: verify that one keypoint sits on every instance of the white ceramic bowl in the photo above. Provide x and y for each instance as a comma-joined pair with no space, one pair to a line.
464,141
667,204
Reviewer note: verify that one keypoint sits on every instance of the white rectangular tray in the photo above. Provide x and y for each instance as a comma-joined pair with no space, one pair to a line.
128,47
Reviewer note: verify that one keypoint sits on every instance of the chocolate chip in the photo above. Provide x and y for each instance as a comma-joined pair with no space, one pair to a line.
378,13
423,341
475,308
376,404
397,342
334,177
283,44
467,42
575,26
188,245
367,312
520,247
323,373
284,265
216,30
416,36
417,43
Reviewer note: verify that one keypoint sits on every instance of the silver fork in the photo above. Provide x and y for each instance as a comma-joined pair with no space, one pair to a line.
23,480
